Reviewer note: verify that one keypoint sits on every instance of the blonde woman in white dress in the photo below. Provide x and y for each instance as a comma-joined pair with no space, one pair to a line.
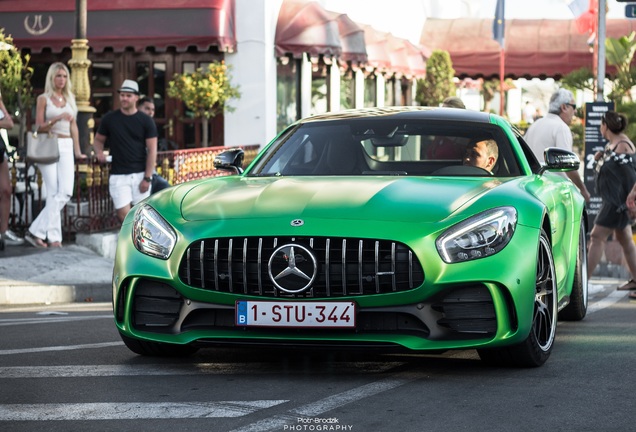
56,112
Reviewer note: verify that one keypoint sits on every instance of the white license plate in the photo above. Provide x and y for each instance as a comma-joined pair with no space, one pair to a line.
295,314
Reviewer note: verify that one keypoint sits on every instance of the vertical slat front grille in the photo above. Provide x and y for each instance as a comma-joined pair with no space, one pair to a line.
346,266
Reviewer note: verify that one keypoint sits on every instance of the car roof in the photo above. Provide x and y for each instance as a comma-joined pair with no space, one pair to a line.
404,112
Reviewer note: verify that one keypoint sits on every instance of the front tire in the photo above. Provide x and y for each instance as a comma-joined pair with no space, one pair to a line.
536,349
157,349
577,308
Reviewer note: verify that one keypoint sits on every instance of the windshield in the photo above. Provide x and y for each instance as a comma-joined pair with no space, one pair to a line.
372,146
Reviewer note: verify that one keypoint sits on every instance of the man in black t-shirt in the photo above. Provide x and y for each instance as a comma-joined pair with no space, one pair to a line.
132,139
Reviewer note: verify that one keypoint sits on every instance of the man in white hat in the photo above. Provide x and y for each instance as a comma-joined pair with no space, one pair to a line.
132,139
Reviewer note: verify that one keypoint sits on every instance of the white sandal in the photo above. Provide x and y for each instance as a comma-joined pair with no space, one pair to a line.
35,241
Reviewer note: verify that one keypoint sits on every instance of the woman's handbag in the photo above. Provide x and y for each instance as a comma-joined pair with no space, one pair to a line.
42,148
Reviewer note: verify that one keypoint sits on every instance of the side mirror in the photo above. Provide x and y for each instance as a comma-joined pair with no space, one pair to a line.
230,160
559,160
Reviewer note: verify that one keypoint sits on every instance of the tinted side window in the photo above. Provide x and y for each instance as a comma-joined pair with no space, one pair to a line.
532,160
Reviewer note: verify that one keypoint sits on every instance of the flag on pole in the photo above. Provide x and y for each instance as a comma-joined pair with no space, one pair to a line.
498,33
579,7
587,21
498,24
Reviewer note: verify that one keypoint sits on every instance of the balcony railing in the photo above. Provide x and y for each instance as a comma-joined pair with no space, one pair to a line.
91,209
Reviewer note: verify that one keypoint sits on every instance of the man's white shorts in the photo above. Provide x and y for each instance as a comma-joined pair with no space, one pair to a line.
124,189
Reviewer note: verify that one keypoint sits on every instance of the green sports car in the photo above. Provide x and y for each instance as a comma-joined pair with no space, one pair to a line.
370,228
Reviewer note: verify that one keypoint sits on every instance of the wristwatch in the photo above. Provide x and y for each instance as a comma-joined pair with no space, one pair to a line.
148,179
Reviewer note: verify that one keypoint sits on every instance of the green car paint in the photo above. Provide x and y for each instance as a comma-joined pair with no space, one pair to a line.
410,210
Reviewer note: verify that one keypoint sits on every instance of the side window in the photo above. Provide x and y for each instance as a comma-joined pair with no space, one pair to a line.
295,156
535,165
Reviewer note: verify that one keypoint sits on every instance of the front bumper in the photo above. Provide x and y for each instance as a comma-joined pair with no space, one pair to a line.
460,317
478,304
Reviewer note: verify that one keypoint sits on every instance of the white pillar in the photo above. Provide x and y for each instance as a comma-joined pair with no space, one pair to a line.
380,82
359,89
305,87
413,91
254,71
514,105
334,87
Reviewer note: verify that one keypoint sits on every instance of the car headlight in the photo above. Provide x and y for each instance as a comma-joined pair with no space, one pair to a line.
480,236
151,234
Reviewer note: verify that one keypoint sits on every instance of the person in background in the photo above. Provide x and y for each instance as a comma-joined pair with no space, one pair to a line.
482,154
453,102
616,178
147,106
132,138
56,113
7,237
445,148
529,112
630,202
553,131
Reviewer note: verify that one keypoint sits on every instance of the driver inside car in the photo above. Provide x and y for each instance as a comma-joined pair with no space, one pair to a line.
482,154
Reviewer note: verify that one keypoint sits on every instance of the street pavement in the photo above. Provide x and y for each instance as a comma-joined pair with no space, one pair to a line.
82,271
77,272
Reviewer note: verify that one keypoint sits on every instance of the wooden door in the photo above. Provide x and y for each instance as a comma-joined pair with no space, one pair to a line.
153,71
187,127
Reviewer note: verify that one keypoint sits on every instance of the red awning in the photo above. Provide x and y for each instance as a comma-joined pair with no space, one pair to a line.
351,38
119,24
390,54
377,48
398,53
417,59
533,48
306,27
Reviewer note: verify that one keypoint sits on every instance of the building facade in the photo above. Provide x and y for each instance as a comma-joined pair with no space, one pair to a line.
290,59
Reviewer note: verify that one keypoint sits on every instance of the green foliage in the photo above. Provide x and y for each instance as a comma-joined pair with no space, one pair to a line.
580,79
438,83
489,88
619,53
629,109
578,136
205,93
15,77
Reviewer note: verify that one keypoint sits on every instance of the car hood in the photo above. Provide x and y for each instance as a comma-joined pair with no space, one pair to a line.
369,198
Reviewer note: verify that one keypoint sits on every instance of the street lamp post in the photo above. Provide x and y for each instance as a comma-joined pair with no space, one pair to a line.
600,49
79,65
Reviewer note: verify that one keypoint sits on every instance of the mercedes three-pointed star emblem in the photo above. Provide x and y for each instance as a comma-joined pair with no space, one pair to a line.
292,268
